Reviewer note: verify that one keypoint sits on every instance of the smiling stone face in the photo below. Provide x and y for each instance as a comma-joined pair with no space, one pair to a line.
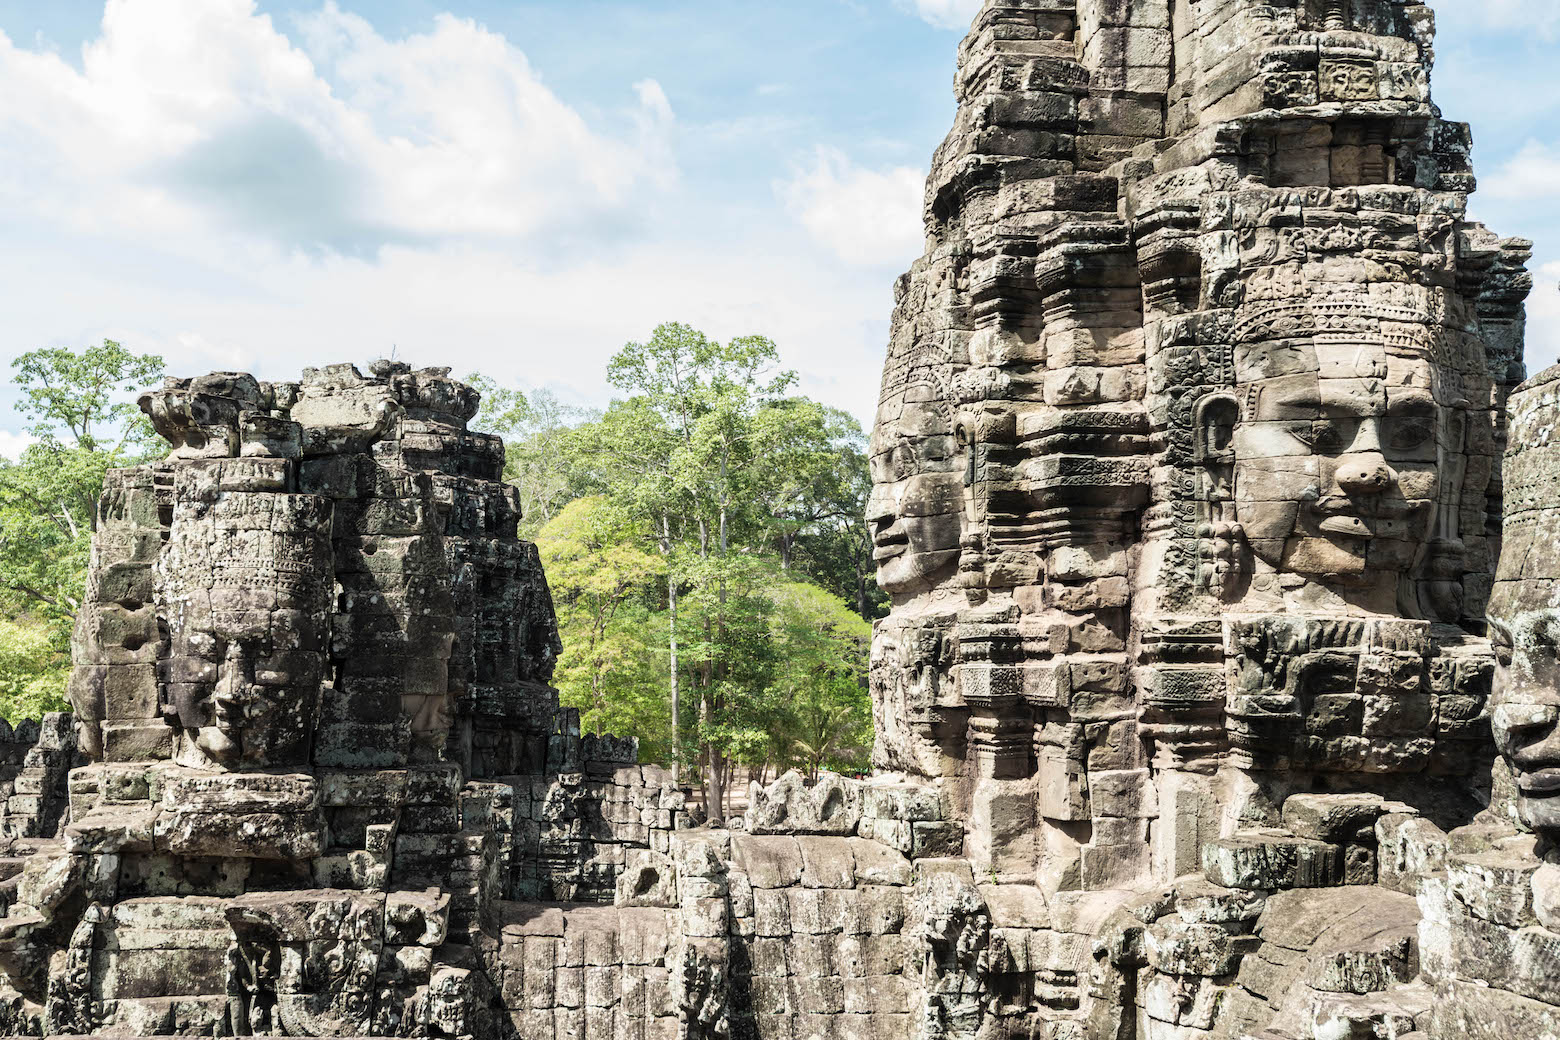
1526,716
1335,473
1525,608
247,609
917,505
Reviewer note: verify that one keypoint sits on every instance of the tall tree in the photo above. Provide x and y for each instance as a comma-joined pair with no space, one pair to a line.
815,498
541,457
80,411
603,580
750,500
705,396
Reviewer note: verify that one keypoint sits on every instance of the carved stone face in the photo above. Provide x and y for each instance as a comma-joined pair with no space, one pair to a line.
915,511
1526,715
250,704
247,610
1335,454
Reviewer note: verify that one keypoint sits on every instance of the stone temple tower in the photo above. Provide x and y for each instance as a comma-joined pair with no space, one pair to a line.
1211,705
1187,458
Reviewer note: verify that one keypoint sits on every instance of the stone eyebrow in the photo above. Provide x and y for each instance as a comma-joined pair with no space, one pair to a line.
1417,403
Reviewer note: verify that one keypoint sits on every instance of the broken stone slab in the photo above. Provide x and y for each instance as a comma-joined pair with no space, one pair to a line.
649,878
255,835
111,831
1393,1014
878,864
417,918
1476,1011
1198,901
770,861
1370,965
1495,886
385,787
1016,906
1338,818
791,805
1546,896
1408,849
1083,913
1267,862
1180,947
827,862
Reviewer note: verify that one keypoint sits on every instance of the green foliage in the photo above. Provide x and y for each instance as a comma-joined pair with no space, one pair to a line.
704,535
540,456
604,580
72,395
799,698
815,499
34,670
76,402
48,497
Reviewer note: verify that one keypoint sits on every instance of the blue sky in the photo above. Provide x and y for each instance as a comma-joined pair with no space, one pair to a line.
519,188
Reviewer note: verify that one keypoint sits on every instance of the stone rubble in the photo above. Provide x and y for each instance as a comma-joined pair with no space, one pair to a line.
1202,711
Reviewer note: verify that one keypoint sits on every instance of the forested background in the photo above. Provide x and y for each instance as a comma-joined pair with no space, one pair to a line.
702,534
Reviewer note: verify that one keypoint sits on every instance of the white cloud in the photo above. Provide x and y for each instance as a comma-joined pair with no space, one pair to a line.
203,187
1541,16
1543,314
184,110
867,217
946,14
13,444
1534,172
476,307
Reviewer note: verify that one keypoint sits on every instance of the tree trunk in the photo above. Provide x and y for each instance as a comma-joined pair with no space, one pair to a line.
731,781
671,604
717,774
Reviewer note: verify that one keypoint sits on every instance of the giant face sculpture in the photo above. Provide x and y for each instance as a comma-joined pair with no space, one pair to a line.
244,586
1525,608
916,508
1526,716
1334,455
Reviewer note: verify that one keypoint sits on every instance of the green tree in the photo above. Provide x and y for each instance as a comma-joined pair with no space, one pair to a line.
823,646
78,409
604,581
34,671
541,457
702,398
815,498
748,500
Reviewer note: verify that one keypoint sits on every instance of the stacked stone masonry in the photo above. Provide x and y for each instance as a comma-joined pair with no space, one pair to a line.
1219,698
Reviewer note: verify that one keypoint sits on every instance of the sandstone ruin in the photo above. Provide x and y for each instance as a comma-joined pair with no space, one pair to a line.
1217,700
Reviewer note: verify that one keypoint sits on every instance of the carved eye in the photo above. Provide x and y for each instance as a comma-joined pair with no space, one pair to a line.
1408,432
1327,436
1302,431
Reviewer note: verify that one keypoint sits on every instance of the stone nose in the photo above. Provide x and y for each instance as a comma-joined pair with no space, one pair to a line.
1365,473
880,508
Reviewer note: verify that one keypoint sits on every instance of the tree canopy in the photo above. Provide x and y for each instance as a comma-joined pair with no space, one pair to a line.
702,535
81,412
